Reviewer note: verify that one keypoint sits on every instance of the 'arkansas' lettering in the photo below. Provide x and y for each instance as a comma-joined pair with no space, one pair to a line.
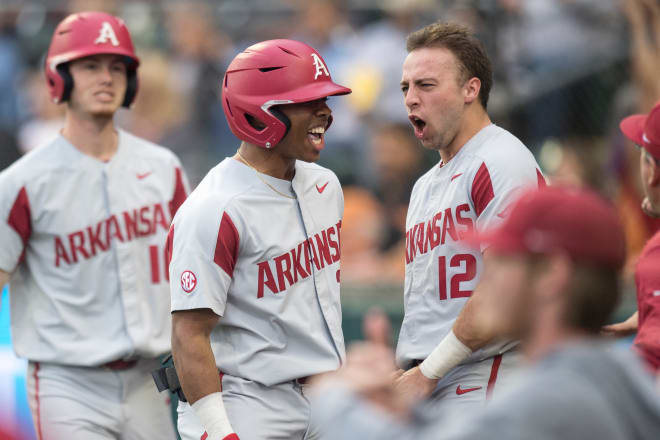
445,224
315,253
94,239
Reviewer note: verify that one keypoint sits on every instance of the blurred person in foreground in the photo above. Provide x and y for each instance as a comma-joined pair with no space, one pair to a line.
446,82
644,131
553,281
85,219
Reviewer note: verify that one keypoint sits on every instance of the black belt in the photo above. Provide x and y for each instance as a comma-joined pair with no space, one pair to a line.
120,364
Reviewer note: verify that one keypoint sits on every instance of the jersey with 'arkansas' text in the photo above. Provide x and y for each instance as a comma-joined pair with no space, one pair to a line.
473,190
268,265
85,241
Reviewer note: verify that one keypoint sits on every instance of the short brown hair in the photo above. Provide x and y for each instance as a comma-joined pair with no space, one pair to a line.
471,55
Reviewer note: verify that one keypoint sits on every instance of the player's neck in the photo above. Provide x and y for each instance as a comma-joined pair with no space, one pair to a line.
547,337
266,161
474,120
94,136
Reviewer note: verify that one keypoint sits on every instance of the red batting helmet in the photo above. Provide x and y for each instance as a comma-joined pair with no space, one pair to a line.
85,34
271,73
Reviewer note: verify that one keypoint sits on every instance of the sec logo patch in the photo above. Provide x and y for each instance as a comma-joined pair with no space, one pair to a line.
188,281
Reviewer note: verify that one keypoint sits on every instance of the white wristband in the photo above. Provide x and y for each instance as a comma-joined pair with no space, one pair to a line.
449,353
210,410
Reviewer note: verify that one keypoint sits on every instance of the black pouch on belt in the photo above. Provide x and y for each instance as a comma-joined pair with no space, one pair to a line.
167,379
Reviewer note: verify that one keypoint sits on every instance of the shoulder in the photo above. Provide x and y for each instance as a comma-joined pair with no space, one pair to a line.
652,247
148,150
216,194
423,179
501,149
35,165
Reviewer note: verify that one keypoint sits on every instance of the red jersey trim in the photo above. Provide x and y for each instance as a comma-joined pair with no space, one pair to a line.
36,398
482,189
169,247
540,179
179,193
19,218
226,247
497,360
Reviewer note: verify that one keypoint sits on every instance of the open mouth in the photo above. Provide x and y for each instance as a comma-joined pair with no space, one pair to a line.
419,124
315,135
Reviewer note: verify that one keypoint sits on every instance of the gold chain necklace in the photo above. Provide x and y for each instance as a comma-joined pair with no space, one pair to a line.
244,160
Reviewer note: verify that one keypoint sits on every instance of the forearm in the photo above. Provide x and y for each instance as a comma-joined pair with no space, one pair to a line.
195,363
471,326
472,330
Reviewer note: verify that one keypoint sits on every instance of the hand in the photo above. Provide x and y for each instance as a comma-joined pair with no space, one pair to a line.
414,386
622,329
370,372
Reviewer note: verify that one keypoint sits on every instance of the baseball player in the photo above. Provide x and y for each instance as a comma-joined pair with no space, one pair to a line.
254,270
446,81
556,281
84,227
644,131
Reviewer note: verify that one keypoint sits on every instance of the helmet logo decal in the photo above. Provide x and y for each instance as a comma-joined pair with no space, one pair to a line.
320,67
106,33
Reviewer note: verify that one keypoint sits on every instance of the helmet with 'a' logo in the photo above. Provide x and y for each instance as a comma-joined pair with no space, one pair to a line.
268,74
82,35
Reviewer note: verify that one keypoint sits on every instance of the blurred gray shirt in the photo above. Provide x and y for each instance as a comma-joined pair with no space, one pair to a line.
580,391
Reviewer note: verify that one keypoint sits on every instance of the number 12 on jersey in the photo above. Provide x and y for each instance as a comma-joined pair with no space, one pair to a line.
455,282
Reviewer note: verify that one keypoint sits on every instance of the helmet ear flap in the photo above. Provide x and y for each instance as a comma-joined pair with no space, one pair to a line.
131,87
284,119
63,71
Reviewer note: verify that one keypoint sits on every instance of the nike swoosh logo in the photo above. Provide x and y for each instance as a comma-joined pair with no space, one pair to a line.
322,188
142,176
457,175
460,391
505,212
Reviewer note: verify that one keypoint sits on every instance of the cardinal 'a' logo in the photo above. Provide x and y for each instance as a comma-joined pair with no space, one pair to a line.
320,67
106,33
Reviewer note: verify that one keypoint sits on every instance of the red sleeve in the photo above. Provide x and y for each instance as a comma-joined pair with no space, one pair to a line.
482,189
168,247
179,193
226,247
19,217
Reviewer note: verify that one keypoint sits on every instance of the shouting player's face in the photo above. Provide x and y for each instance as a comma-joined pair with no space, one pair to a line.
306,137
434,95
99,84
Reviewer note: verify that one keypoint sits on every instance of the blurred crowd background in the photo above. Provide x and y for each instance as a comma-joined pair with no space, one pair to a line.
566,71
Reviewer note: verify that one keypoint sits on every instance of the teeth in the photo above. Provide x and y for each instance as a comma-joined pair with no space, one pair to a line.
317,130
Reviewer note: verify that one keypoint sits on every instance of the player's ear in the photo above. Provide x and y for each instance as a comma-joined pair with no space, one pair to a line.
471,89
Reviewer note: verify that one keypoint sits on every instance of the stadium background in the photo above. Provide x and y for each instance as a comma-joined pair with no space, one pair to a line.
565,72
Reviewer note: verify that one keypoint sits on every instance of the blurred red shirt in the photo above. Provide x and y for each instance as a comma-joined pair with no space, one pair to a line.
647,279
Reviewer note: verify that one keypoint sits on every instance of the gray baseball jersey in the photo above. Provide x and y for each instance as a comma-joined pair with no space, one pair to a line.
473,190
268,265
85,242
